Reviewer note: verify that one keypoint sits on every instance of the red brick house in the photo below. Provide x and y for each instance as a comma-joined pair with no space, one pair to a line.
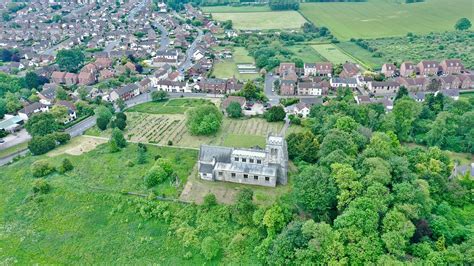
217,86
407,69
70,79
389,70
287,87
451,66
286,67
428,68
58,77
86,78
349,70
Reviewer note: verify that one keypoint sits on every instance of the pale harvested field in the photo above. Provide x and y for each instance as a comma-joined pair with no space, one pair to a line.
77,146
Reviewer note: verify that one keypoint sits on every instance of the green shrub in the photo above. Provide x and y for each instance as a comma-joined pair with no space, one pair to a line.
210,200
66,166
61,137
41,144
41,186
209,247
41,168
156,175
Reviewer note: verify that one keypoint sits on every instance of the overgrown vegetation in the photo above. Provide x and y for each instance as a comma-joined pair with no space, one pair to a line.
414,47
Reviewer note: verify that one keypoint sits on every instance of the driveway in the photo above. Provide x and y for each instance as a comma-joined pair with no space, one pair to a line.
15,139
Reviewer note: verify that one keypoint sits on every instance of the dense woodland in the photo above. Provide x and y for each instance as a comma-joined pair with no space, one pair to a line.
359,196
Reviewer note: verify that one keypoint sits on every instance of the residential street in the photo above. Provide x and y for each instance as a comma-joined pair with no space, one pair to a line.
189,53
273,98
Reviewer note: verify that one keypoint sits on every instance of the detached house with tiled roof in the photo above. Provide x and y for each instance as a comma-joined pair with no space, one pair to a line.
451,66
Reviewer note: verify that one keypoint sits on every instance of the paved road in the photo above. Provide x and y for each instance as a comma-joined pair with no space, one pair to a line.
10,158
189,53
81,127
164,38
15,139
273,98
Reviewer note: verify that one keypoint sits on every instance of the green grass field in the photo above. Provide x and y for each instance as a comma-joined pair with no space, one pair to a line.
306,53
263,20
332,53
173,106
244,141
362,55
84,218
227,68
235,9
376,19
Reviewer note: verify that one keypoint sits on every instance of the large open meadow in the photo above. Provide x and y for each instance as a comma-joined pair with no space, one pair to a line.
376,19
262,20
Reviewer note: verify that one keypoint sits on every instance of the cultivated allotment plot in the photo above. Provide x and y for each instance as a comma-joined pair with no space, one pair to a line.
161,129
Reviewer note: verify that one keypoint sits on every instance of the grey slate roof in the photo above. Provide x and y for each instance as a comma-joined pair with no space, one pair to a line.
221,154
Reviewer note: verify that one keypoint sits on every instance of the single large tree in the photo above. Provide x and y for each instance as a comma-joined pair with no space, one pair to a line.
234,110
275,113
204,120
41,124
463,24
70,60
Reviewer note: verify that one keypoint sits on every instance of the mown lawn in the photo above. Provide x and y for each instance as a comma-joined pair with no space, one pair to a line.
244,141
173,106
262,20
332,53
376,19
366,57
306,53
227,68
84,219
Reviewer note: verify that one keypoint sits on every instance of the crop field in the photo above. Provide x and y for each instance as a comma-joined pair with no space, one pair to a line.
235,9
377,19
227,68
263,20
173,106
161,129
332,53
